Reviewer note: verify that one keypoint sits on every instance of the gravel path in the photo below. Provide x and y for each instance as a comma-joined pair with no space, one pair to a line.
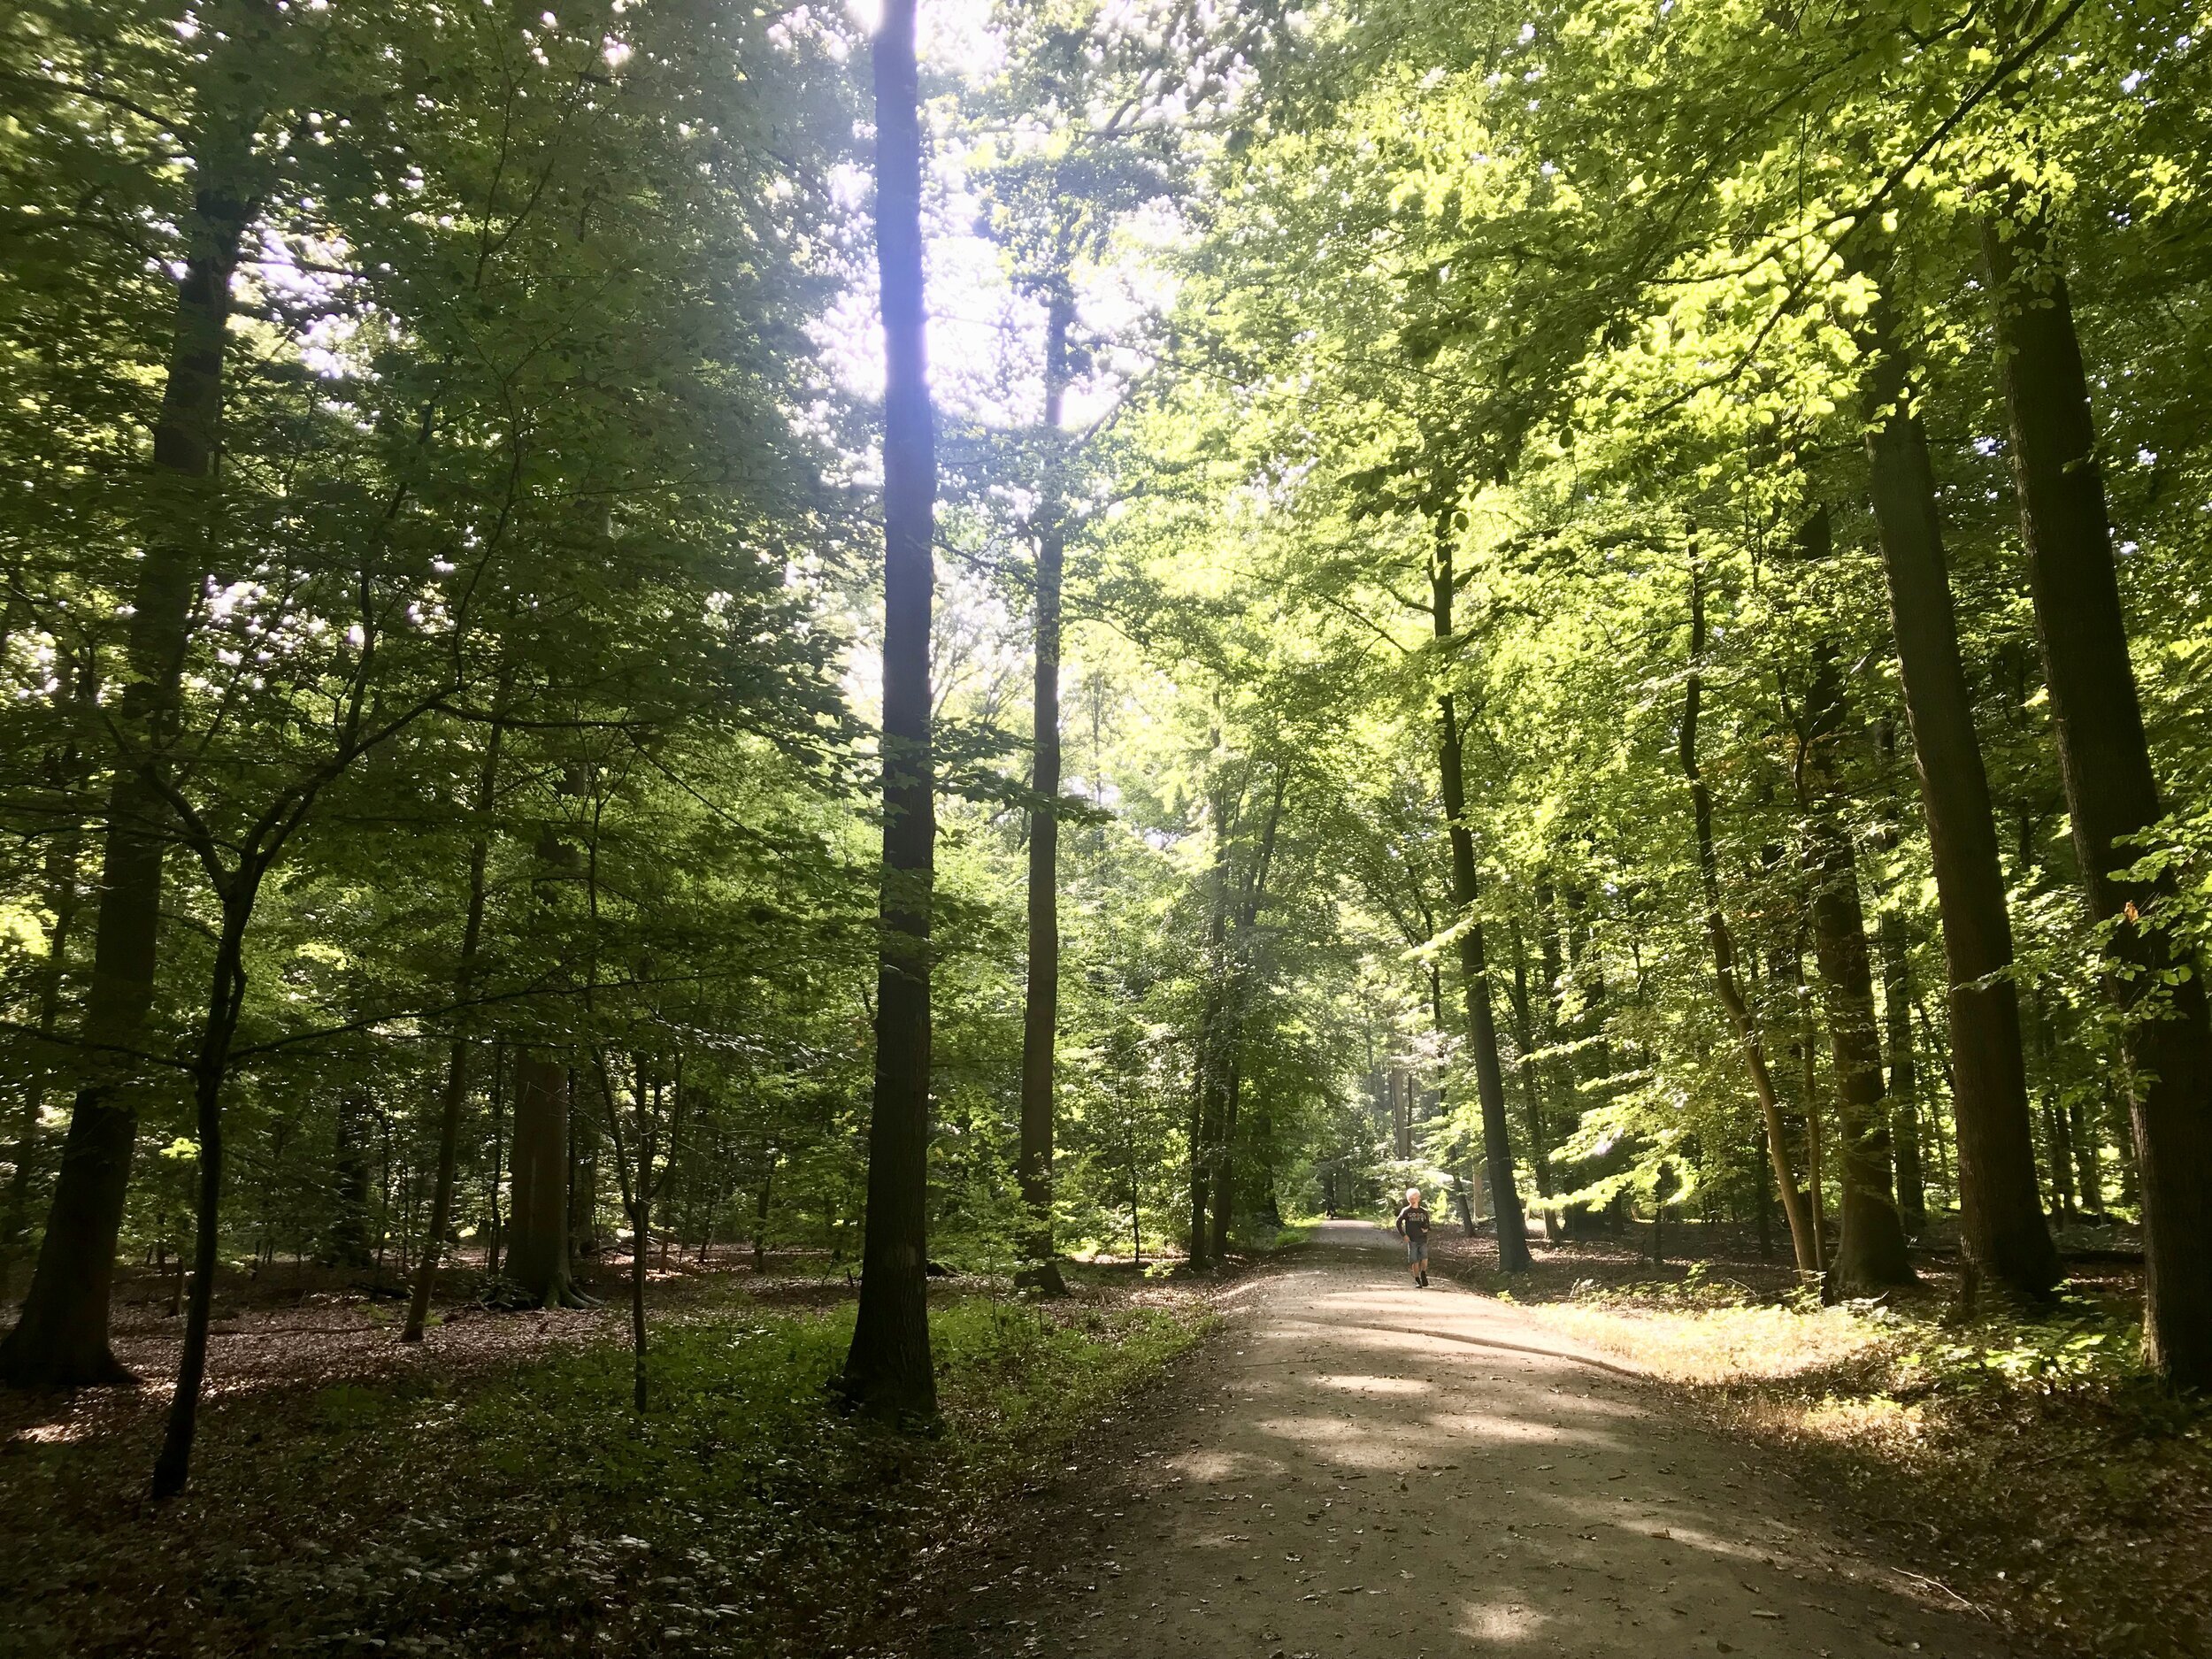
1367,1470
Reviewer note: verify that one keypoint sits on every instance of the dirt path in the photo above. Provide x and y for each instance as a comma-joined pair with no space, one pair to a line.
1376,1472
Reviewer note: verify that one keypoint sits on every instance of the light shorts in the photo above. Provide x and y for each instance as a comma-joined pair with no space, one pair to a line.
1417,1251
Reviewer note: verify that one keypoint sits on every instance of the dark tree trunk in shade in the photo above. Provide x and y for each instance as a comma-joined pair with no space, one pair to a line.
1224,1182
1904,1072
456,1067
1870,1247
760,1209
1803,1241
2111,792
1482,1032
888,1370
1040,1007
537,1203
61,1338
346,1244
227,994
2000,1223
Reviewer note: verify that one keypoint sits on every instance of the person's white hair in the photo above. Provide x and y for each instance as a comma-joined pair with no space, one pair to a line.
1413,1194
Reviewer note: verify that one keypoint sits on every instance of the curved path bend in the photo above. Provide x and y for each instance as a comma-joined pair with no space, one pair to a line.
1373,1472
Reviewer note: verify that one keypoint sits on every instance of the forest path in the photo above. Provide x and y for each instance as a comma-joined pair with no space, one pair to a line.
1367,1470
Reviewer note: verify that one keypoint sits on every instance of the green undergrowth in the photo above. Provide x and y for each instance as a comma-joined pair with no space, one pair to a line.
529,1511
2026,1461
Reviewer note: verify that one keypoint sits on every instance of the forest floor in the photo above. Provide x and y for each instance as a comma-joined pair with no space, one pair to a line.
491,1491
1360,1468
1298,1457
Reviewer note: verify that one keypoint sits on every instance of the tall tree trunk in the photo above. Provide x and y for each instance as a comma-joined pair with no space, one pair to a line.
2000,1223
1871,1250
888,1370
456,1067
1041,1006
1904,1072
2111,792
1224,1181
1482,1031
1794,1206
61,1340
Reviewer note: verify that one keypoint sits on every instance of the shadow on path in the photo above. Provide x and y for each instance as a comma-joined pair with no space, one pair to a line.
1365,1468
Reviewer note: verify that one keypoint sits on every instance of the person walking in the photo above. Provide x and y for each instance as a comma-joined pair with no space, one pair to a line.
1413,1227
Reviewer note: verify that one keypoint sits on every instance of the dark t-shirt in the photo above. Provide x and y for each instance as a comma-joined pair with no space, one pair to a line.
1413,1223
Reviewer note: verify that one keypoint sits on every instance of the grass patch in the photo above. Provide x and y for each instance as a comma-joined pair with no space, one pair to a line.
528,1511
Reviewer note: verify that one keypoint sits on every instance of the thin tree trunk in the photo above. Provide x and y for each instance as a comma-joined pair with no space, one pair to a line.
1904,1072
1802,1240
888,1371
227,994
2000,1223
1482,1032
2112,791
61,1338
456,1070
2087,1165
1223,1191
1871,1250
760,1212
1041,1008
1525,1069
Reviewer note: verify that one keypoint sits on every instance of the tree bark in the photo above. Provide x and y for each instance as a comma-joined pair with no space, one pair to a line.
888,1371
1525,1068
227,994
537,1198
1795,1205
2000,1223
61,1338
1904,1073
456,1070
1040,1007
1482,1032
1871,1248
2112,791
